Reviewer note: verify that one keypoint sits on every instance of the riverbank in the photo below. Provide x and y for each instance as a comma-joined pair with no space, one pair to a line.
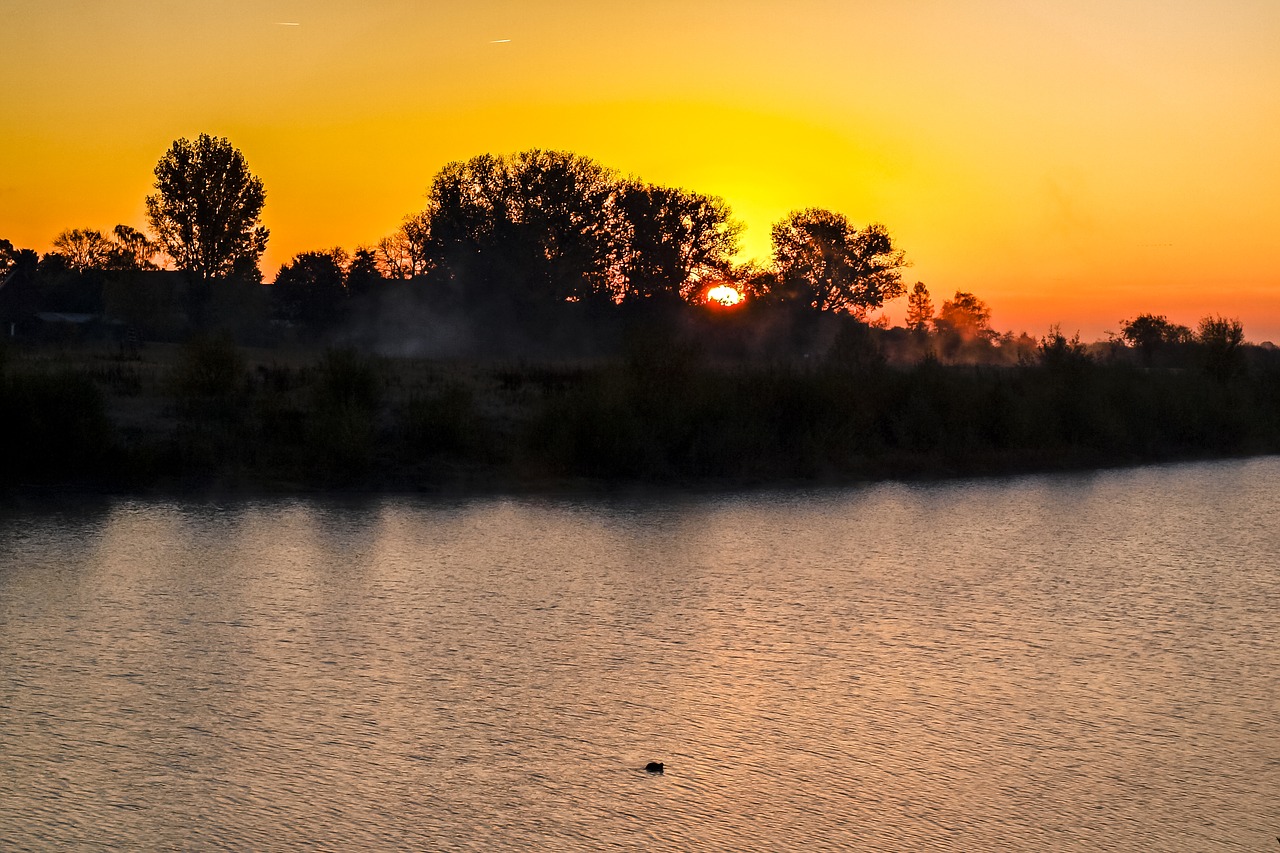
210,416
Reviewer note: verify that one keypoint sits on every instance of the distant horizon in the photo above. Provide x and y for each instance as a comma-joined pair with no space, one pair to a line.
1073,166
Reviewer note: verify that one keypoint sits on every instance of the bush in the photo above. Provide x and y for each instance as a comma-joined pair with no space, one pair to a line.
54,428
209,377
445,424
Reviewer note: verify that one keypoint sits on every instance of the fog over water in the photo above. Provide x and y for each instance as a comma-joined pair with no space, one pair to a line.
1082,662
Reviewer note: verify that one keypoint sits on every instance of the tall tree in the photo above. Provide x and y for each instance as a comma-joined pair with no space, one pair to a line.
206,208
527,228
823,261
669,240
919,308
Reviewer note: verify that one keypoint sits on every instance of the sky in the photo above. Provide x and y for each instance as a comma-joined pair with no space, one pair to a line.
1069,162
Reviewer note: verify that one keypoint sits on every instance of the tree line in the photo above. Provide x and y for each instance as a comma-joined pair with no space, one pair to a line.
521,236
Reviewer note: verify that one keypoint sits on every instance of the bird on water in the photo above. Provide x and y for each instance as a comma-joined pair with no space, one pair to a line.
654,767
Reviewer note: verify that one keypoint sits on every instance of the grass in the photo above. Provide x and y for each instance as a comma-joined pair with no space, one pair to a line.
210,414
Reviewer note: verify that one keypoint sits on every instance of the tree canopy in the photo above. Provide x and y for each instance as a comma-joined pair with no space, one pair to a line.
85,249
823,261
671,240
965,316
310,289
1151,332
1220,340
206,208
543,227
529,227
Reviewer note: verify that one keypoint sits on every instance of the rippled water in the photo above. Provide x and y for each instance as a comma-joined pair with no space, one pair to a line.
1047,663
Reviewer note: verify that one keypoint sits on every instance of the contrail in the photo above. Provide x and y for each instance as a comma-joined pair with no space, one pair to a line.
287,24
500,41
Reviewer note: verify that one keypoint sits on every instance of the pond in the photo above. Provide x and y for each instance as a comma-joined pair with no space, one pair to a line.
1067,662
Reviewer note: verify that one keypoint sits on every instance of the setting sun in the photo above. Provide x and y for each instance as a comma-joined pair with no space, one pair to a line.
723,295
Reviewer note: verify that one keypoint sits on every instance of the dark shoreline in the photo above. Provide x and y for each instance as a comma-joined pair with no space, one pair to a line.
461,488
208,418
45,499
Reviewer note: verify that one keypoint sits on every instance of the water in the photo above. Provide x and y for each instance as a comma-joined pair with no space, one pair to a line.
1045,663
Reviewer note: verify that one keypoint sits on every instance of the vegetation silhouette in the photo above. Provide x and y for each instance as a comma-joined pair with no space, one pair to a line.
1220,342
919,309
822,261
1152,333
206,208
544,319
310,291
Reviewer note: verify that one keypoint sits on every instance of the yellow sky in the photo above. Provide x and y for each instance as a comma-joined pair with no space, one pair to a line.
1068,162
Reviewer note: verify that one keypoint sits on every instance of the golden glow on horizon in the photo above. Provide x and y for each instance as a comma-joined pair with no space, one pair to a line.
1070,163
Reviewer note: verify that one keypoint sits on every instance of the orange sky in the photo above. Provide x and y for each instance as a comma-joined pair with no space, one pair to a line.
1068,162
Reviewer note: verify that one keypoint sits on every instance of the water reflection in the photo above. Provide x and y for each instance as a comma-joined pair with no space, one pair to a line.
1072,663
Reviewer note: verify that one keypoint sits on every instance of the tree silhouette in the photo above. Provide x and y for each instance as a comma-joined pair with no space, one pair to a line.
363,274
669,240
1057,352
406,253
131,250
966,317
919,309
17,269
1151,332
8,257
206,207
527,228
86,249
1220,340
19,284
83,248
822,261
310,289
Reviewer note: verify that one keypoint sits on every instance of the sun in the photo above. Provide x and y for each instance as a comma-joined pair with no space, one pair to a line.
724,296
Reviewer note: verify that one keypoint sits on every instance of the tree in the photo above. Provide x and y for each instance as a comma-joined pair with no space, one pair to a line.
530,228
966,316
1151,332
83,248
16,263
131,250
826,263
310,289
19,284
363,274
1220,340
1058,352
919,309
405,254
669,240
206,207
8,257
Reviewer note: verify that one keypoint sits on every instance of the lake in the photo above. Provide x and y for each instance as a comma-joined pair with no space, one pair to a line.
1068,662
